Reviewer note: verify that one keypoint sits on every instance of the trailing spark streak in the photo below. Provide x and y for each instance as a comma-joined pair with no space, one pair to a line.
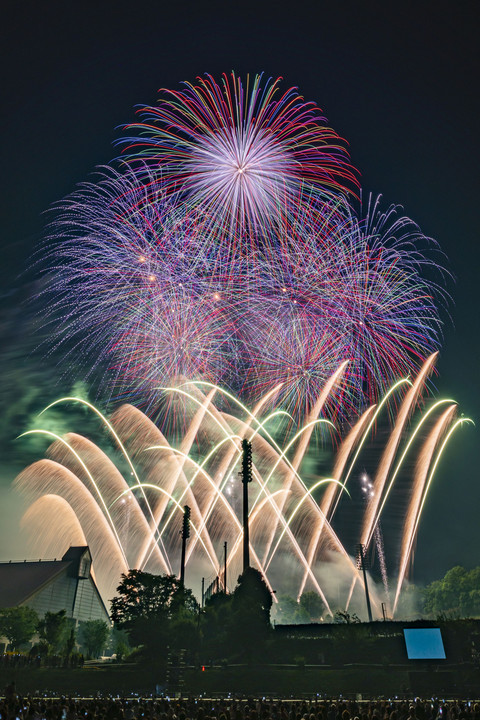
263,488
59,439
389,455
177,507
134,424
299,484
305,437
402,458
67,524
282,456
413,517
110,484
331,492
111,430
186,445
287,523
297,508
45,478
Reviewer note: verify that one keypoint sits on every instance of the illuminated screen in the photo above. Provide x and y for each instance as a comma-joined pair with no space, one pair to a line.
424,644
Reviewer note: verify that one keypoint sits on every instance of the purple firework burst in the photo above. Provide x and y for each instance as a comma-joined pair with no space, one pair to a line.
137,284
239,151
342,288
133,286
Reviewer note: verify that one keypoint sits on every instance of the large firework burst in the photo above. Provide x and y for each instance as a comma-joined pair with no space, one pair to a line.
344,288
240,151
138,284
134,285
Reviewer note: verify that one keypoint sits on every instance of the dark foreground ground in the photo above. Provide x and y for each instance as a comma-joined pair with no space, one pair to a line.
259,681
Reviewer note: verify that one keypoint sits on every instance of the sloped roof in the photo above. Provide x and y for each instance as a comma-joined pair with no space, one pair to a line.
19,580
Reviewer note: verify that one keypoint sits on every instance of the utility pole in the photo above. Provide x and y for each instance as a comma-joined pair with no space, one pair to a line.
203,592
185,535
225,567
361,564
246,478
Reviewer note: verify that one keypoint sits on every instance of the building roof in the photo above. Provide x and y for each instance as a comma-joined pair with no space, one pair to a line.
19,580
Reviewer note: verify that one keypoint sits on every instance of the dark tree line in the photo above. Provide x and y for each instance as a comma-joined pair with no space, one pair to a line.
161,616
55,633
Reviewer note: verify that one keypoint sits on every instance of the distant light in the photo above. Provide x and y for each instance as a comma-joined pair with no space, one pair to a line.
152,278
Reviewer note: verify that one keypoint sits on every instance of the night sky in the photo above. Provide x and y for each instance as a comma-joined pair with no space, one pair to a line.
399,81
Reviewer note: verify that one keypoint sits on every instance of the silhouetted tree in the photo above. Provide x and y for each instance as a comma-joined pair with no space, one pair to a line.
152,608
216,623
250,621
343,617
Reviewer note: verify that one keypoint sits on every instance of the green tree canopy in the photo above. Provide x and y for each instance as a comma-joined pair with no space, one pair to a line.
93,636
18,624
310,608
289,612
313,605
457,593
54,629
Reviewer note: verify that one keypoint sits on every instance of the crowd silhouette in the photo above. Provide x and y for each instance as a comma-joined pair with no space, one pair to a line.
16,707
